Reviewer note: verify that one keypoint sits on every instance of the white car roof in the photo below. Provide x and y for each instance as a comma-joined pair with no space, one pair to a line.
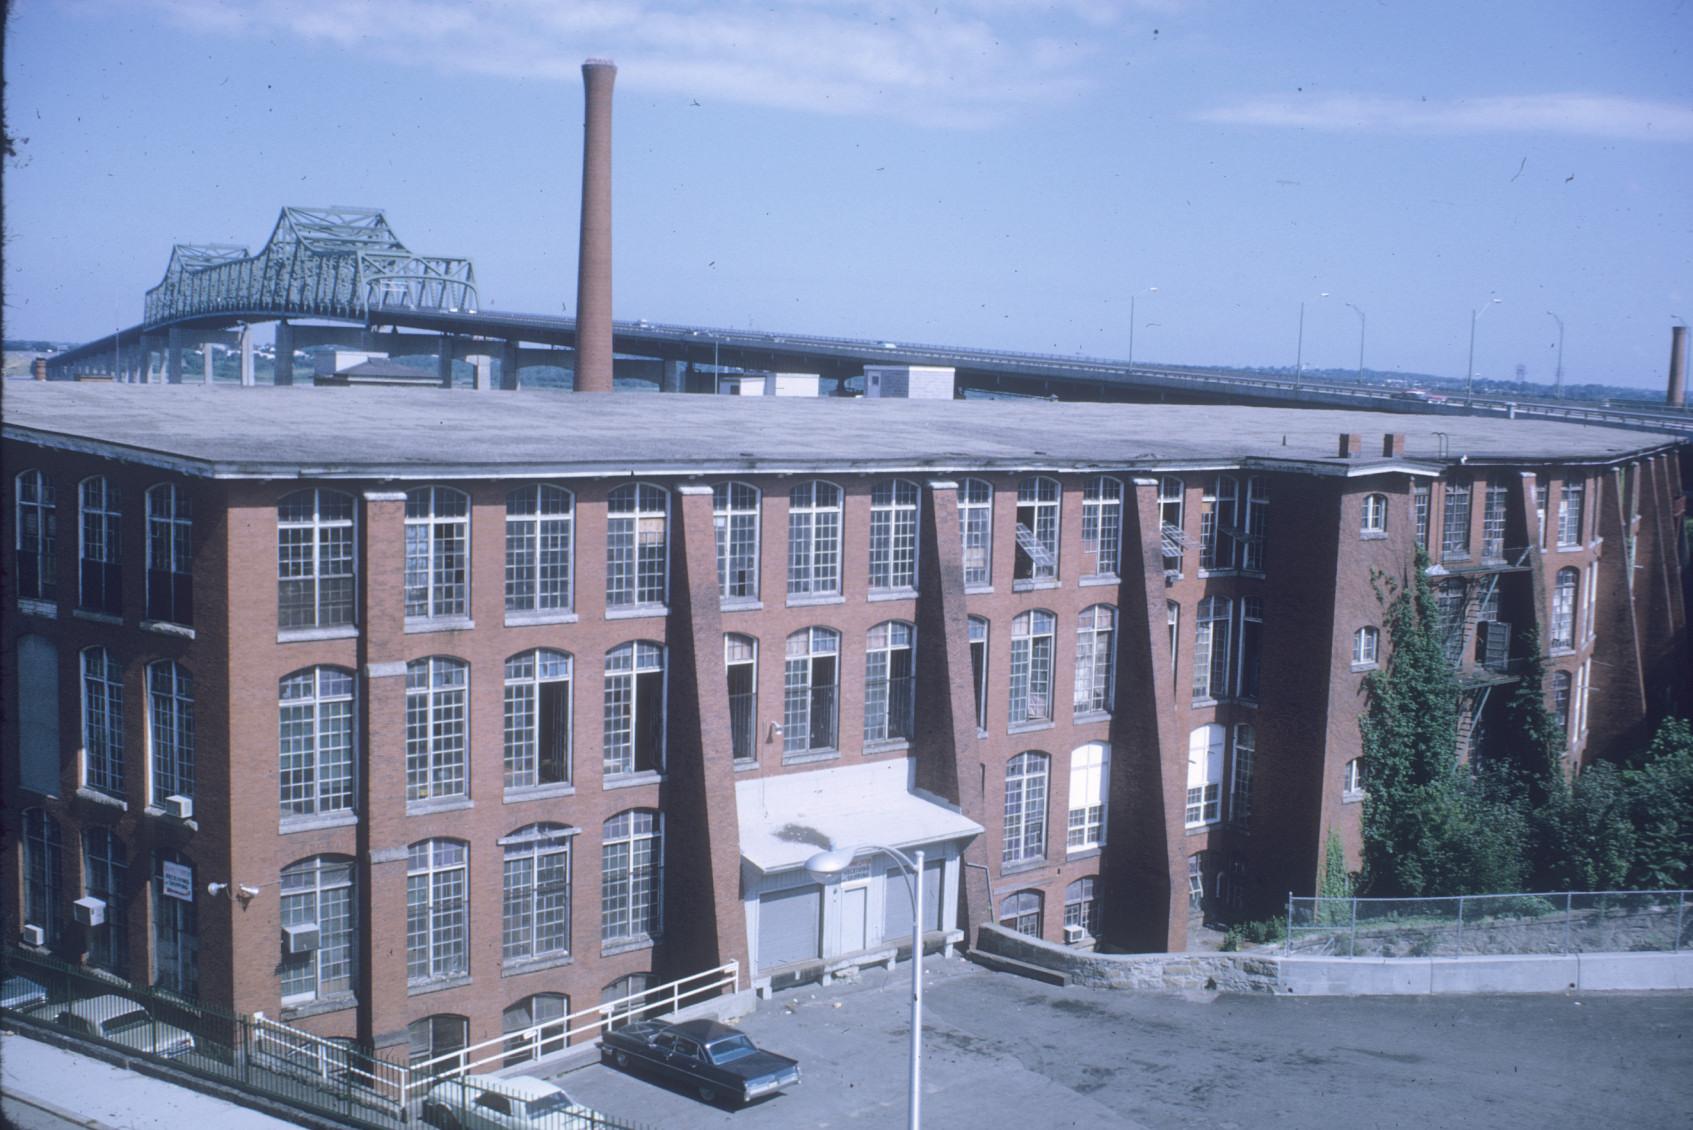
517,1086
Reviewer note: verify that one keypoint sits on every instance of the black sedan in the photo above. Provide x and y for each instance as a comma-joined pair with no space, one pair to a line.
715,1060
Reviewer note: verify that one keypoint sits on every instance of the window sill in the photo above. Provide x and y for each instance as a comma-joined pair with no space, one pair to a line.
1372,535
1204,573
439,624
166,818
168,628
1030,584
436,985
1100,581
1083,716
32,607
745,764
978,590
317,822
517,793
1198,703
740,604
1351,798
892,594
1017,867
631,780
625,945
637,612
336,1003
803,600
1030,726
1370,666
524,618
96,617
806,757
97,797
306,635
1206,826
1086,851
517,967
886,745
1558,651
433,805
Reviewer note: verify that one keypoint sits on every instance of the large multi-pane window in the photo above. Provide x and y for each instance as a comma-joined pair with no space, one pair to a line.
540,549
102,722
535,914
1211,648
170,555
636,546
631,876
1570,512
105,876
979,669
975,528
1420,495
1251,649
1021,912
1081,906
1219,523
889,682
1031,666
1562,685
814,540
740,664
437,910
437,552
1089,771
43,859
1102,526
734,515
1455,521
1257,526
315,736
1563,607
1025,807
1172,495
314,560
1493,519
1205,775
170,710
537,718
437,694
1037,529
37,525
810,681
634,708
1449,607
100,547
435,1037
540,1009
1096,631
319,892
176,930
1240,782
893,535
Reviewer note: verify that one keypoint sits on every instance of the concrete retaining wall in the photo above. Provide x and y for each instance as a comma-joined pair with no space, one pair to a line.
1269,972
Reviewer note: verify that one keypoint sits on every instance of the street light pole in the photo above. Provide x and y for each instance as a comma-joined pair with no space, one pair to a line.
1299,352
827,863
1469,368
1558,383
1149,290
1360,314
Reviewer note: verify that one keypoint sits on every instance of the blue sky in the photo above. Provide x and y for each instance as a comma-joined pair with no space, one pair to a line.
987,172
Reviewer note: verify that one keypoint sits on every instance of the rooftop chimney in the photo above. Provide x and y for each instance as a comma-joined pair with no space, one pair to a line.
1393,444
1677,395
593,263
1351,443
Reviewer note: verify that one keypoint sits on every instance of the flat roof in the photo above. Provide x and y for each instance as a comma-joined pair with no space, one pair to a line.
308,431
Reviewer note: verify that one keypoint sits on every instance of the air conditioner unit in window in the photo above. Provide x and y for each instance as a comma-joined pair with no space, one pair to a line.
179,807
1074,934
34,936
89,911
300,939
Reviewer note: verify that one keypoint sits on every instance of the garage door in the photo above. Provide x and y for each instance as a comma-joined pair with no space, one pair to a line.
896,918
789,926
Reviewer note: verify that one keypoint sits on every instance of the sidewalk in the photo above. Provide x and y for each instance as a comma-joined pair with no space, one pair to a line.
88,1092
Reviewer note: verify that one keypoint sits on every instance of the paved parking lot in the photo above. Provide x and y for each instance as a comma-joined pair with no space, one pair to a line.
1000,1050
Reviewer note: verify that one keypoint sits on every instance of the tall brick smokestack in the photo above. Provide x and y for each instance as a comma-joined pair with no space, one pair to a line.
1677,394
593,263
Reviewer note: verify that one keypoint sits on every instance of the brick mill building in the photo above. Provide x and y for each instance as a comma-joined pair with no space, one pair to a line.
418,716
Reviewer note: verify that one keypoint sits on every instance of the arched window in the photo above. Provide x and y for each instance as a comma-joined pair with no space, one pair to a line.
43,863
814,540
1365,642
1563,607
437,553
317,893
170,709
435,1038
537,718
1096,631
1571,514
740,664
535,914
893,536
734,514
1090,767
437,694
1205,775
637,546
540,549
633,731
631,876
1031,666
1102,526
1211,649
102,722
889,682
810,682
1081,907
314,560
316,739
1022,912
1025,807
100,547
1374,519
437,910
975,528
37,526
170,554
541,1019
1037,529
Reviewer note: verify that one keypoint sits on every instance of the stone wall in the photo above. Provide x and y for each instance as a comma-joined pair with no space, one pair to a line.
1143,972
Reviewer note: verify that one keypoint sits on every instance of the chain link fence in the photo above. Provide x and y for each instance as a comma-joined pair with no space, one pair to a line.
1559,922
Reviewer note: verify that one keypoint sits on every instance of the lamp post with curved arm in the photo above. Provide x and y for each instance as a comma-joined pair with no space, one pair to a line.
1469,368
825,864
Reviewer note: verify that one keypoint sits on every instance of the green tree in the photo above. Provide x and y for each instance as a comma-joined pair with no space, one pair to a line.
1584,838
1660,809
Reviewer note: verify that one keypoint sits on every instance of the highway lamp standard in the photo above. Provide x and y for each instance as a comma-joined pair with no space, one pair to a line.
825,864
1469,368
1558,381
1360,314
1299,350
1149,290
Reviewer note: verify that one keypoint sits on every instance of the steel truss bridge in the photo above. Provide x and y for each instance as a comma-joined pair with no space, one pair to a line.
346,267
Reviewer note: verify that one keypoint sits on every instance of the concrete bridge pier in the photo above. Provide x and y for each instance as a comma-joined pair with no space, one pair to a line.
173,355
675,376
206,363
284,353
246,346
509,362
448,348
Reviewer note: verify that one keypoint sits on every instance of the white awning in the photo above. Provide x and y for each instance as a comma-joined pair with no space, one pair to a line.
786,819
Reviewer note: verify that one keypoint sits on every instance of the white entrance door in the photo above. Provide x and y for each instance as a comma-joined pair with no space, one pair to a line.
855,908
